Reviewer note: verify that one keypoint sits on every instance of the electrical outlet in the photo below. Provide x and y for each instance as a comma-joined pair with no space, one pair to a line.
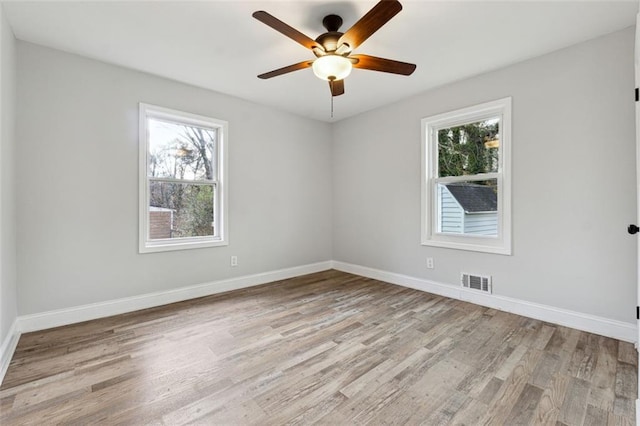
430,262
234,260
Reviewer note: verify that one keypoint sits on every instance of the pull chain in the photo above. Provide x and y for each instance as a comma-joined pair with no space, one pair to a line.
331,106
331,80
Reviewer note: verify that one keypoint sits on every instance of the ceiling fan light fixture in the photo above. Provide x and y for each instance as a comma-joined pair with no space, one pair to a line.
332,67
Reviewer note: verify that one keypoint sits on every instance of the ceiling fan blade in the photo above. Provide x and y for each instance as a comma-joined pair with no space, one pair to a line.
384,65
285,70
337,87
285,29
370,23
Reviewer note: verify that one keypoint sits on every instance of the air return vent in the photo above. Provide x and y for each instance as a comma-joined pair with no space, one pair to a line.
476,282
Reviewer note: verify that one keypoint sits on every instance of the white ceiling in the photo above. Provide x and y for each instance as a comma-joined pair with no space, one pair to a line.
219,46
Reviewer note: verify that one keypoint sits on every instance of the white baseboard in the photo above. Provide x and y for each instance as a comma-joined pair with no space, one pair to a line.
27,323
8,348
585,322
50,319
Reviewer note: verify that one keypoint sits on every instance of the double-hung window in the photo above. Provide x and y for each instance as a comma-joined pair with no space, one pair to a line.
466,186
183,181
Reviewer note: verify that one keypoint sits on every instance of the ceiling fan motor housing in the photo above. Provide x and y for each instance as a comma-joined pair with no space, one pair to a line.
329,40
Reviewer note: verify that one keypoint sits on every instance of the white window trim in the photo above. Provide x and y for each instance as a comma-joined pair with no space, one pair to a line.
222,206
429,235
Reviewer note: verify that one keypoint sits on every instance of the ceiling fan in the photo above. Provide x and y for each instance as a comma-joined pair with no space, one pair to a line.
333,49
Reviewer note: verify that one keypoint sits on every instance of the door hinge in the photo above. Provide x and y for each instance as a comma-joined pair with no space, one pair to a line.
637,94
638,312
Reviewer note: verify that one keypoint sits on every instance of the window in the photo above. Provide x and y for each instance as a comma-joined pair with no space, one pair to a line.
466,185
183,195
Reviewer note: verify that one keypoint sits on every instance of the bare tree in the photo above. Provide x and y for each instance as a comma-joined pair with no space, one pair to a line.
189,156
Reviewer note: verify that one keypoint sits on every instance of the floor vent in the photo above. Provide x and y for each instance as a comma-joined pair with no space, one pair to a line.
476,282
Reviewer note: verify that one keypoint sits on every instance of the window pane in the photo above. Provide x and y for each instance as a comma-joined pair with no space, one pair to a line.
180,151
469,149
469,208
180,210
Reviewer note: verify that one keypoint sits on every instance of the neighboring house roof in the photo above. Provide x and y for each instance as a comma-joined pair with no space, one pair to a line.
474,198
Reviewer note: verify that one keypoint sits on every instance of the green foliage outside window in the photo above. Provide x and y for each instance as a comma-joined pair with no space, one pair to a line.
469,149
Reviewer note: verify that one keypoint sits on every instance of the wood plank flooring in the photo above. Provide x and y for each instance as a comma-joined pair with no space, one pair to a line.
328,348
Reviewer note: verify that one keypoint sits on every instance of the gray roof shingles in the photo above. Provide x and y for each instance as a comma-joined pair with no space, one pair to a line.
474,198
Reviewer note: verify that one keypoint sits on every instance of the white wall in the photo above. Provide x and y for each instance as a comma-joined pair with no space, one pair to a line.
573,182
77,123
8,295
296,198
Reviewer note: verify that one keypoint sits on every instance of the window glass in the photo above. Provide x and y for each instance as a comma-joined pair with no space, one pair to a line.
182,180
189,207
466,185
469,149
181,151
468,207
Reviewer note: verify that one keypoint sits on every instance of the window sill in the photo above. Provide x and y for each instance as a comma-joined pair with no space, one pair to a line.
156,247
476,246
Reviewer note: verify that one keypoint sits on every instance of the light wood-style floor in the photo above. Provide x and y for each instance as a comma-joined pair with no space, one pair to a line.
328,348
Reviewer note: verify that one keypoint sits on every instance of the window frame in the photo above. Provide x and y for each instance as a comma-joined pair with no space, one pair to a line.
430,236
219,183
